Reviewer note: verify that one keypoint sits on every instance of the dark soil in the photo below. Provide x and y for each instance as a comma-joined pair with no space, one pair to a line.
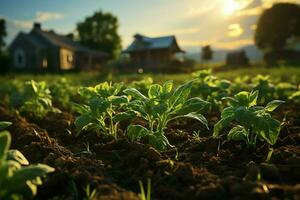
200,167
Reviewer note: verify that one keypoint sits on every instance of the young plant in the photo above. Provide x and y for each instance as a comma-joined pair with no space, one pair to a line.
143,195
104,110
17,181
210,88
265,88
35,99
159,107
254,122
62,92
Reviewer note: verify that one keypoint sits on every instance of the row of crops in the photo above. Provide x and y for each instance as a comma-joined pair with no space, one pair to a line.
244,108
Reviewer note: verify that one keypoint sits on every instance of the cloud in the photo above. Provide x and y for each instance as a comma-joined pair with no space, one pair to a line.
26,24
183,31
251,11
234,44
47,16
235,30
39,17
258,6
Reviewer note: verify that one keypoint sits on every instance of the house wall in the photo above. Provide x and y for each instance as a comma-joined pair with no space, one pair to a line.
152,60
67,59
24,54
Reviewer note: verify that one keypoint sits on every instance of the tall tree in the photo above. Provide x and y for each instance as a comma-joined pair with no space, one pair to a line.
2,33
100,32
207,53
278,25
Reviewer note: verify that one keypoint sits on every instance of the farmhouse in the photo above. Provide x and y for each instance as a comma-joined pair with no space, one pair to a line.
237,58
154,54
45,50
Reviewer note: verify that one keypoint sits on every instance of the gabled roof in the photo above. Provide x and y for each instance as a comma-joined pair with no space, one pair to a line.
143,43
45,39
61,41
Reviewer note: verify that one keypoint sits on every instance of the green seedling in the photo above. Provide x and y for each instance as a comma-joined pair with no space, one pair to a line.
143,195
265,88
253,122
161,106
34,99
18,179
210,88
104,111
62,92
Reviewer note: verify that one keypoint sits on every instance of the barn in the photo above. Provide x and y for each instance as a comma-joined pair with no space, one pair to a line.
154,53
41,50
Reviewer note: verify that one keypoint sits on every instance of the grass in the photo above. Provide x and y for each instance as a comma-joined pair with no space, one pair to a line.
286,74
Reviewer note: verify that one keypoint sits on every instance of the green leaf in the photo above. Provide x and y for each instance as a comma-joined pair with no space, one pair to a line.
244,116
98,105
167,87
17,156
195,116
253,98
135,93
224,122
238,133
155,91
232,101
80,108
228,112
4,125
159,141
84,121
119,99
195,104
136,132
267,128
124,116
243,98
271,106
5,141
25,177
180,94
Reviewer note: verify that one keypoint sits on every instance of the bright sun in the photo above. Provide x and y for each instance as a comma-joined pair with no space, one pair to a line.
231,6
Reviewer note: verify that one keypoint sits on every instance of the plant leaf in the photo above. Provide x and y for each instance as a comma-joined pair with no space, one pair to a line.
124,116
195,116
5,141
4,125
135,93
271,106
155,91
136,132
238,133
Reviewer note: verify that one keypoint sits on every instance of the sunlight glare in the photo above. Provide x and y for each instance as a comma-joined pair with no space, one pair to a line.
231,6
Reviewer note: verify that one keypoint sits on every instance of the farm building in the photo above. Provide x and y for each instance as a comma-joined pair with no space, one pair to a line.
237,58
46,50
154,54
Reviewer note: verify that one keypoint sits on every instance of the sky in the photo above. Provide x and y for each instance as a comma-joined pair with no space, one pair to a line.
223,24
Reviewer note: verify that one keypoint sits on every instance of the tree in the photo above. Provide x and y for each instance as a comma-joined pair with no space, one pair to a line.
2,33
4,58
100,32
207,53
278,25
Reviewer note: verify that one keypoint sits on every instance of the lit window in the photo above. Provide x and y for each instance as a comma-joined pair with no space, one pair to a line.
70,58
45,63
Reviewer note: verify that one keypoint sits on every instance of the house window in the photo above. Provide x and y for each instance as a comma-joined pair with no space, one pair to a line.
45,63
70,58
19,58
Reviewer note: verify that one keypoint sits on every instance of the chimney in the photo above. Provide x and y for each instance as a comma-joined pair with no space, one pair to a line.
37,26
